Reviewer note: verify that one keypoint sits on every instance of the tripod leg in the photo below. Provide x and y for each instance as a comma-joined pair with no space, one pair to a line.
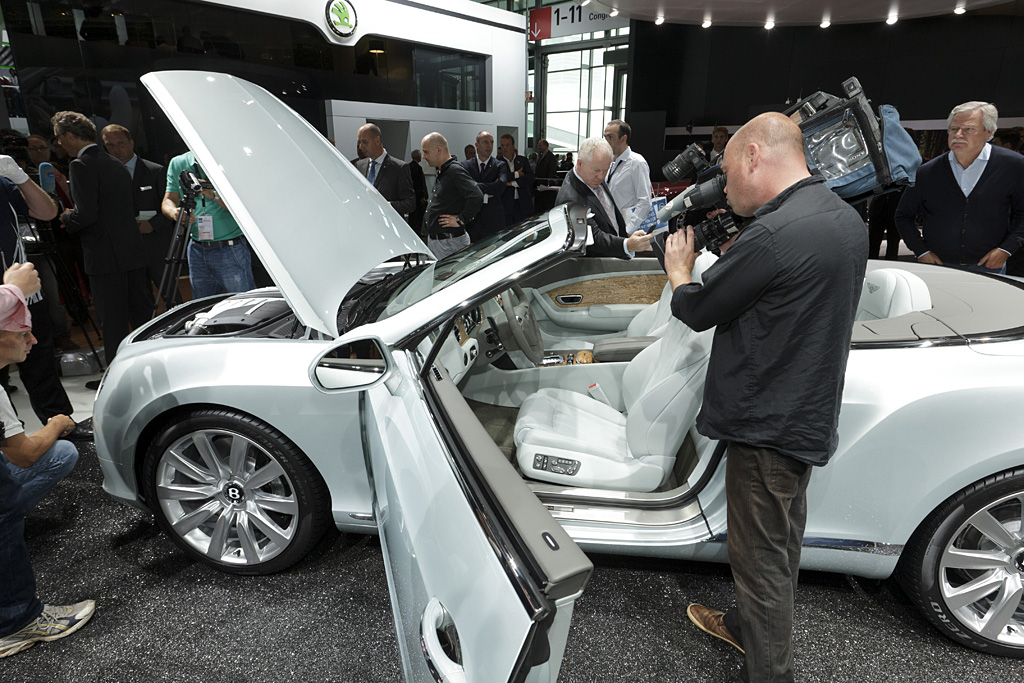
168,289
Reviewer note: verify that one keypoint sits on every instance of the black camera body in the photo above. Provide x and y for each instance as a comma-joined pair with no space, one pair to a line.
690,162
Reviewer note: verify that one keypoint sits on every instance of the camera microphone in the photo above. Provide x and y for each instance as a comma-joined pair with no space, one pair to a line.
47,179
695,196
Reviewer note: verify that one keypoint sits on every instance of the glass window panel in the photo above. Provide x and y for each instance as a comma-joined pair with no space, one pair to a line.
584,90
563,130
563,90
563,60
597,88
599,118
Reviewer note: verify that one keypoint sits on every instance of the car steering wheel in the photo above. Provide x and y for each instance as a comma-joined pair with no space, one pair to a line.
522,323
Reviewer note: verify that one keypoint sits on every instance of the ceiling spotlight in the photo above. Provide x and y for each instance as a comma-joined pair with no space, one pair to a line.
706,24
659,21
825,23
893,18
613,13
960,9
769,24
584,3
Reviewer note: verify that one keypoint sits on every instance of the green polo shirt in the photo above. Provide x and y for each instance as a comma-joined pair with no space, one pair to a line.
224,225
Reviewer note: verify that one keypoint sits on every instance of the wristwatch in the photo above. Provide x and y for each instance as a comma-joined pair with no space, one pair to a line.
459,221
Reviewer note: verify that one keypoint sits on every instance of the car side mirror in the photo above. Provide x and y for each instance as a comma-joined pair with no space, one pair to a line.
352,365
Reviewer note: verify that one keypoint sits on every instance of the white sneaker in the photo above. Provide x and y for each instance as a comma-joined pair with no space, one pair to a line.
55,622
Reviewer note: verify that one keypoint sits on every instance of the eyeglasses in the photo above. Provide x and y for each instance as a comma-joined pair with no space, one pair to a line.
38,149
968,130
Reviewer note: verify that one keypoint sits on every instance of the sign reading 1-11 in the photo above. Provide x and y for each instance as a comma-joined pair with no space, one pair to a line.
570,18
572,14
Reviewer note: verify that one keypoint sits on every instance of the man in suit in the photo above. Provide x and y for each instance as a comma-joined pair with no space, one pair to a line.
719,139
104,217
419,184
390,176
970,202
518,196
492,177
547,174
585,185
149,181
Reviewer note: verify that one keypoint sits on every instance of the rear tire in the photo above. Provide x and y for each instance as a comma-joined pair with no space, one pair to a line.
964,566
235,493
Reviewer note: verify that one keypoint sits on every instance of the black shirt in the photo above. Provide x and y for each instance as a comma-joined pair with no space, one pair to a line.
784,297
455,192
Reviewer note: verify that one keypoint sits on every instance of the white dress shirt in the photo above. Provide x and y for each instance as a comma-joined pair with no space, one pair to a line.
629,179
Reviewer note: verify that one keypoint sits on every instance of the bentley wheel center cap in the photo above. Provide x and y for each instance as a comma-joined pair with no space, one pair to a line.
234,493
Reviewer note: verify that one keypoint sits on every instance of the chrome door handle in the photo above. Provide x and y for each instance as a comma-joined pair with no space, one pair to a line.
445,665
569,299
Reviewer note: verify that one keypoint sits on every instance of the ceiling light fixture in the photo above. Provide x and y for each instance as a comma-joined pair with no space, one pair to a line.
584,3
706,24
613,13
770,24
893,18
825,23
960,9
659,21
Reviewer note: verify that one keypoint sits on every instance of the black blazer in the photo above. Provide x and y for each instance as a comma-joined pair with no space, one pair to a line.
547,166
518,209
393,181
608,232
492,181
148,186
104,213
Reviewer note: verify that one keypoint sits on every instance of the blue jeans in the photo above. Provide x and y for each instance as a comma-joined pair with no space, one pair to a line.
18,602
212,270
52,466
766,493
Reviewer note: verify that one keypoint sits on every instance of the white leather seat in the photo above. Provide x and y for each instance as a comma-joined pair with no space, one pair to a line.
570,438
891,292
650,321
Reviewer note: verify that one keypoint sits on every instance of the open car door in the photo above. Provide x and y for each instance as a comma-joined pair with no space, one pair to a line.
482,578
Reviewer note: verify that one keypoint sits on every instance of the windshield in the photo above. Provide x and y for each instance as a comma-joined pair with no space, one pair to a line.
438,275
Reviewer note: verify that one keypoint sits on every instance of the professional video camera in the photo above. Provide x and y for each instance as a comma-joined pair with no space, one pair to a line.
709,196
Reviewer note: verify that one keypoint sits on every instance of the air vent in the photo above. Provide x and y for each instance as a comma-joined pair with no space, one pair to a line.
437,373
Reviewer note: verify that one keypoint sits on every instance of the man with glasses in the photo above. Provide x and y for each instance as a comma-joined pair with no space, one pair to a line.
966,210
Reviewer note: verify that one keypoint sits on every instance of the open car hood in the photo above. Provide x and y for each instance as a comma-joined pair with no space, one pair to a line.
312,218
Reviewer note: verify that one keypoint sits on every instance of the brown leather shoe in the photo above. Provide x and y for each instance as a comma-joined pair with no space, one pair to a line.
711,621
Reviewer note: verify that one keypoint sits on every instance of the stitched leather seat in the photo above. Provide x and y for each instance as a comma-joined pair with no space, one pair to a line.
891,292
570,438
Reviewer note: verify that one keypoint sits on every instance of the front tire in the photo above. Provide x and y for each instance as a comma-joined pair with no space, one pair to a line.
964,567
235,493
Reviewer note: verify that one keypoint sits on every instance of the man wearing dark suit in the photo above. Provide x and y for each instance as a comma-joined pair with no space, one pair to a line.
970,202
149,181
518,197
419,184
492,177
104,217
585,185
547,173
390,176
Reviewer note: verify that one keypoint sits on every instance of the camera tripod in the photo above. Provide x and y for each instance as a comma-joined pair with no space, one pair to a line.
45,245
177,252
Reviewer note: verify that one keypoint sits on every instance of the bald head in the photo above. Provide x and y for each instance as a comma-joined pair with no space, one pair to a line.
435,149
777,135
761,160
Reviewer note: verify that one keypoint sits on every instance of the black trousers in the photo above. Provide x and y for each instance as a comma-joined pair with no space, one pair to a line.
766,494
123,302
40,372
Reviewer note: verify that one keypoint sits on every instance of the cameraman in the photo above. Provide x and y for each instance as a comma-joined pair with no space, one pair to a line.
783,297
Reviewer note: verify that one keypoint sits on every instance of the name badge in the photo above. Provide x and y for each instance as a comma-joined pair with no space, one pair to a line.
205,227
143,188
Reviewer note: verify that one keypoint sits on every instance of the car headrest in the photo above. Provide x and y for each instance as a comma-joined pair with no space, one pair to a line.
891,292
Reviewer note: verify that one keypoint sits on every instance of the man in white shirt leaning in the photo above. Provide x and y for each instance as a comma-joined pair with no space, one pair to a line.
629,176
